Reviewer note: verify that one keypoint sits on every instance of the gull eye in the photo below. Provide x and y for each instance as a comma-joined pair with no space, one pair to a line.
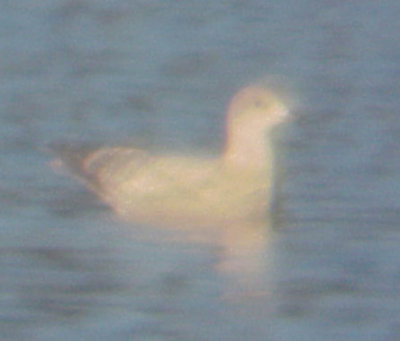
258,103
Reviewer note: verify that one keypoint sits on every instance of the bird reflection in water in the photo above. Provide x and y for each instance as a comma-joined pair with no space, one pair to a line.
226,198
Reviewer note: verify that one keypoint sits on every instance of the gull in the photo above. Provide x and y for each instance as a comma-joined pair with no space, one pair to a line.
177,189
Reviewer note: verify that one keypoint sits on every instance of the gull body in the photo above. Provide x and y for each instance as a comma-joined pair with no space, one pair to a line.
169,190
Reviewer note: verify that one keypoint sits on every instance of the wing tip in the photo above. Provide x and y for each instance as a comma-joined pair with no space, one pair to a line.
71,157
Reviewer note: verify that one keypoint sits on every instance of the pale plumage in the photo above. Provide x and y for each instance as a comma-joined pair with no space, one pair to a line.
166,190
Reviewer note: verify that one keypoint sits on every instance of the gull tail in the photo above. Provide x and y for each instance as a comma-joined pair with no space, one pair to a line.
73,159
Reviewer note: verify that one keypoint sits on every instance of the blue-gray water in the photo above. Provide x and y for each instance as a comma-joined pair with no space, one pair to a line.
158,74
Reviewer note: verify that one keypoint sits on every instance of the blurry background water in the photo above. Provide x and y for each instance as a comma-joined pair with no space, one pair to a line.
158,74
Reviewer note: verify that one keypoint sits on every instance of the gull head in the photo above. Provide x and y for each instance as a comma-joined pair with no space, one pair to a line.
257,106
